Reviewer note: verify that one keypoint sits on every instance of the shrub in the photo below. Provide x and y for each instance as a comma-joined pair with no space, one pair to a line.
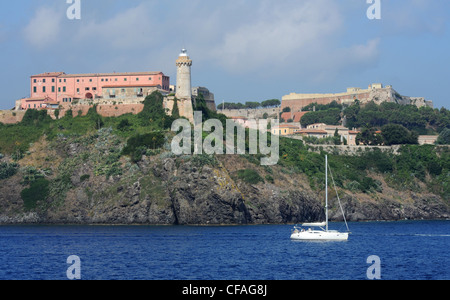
8,170
85,177
138,145
250,176
38,191
124,125
270,179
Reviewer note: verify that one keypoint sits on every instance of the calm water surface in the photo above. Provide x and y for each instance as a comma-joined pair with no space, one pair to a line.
408,250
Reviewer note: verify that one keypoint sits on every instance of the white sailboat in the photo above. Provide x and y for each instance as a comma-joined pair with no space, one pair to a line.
320,231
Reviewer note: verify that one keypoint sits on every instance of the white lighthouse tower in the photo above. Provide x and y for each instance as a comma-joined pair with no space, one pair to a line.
183,88
184,63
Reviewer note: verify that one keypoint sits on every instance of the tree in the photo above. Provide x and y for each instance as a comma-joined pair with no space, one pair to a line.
369,136
444,137
395,134
175,110
252,105
337,137
271,103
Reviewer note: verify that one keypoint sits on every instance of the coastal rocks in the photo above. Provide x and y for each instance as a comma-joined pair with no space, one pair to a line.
202,191
424,207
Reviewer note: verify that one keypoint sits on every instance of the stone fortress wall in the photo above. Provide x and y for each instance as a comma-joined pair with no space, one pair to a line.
376,92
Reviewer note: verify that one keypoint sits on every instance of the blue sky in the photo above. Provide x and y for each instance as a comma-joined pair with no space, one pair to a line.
243,50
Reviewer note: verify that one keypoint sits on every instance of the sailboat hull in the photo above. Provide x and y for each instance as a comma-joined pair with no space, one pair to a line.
317,235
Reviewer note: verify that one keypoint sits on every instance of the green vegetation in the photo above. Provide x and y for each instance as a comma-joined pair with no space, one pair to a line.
444,137
413,166
139,144
250,176
8,170
250,105
424,120
101,143
331,116
38,191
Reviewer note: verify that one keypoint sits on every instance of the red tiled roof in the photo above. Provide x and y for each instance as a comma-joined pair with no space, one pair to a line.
312,131
49,74
296,116
132,85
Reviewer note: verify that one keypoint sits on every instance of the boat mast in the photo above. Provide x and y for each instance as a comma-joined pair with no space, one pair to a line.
326,191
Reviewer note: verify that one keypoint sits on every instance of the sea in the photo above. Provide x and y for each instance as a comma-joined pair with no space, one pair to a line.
406,250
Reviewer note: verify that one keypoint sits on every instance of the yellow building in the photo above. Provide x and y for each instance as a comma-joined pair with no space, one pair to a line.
285,129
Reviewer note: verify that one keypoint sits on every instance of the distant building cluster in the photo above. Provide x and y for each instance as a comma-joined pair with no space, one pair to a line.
375,92
60,90
48,90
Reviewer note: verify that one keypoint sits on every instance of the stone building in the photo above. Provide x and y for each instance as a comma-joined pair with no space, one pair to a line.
66,88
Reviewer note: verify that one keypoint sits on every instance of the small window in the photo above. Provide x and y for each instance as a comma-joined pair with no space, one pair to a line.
34,80
34,90
125,79
53,79
90,80
53,89
78,80
64,89
43,80
137,79
43,89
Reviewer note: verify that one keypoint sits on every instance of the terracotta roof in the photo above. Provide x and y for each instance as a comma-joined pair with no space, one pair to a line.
35,99
49,74
64,75
132,85
287,126
312,131
296,116
112,74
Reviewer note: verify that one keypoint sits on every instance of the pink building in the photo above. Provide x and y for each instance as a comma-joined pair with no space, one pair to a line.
64,88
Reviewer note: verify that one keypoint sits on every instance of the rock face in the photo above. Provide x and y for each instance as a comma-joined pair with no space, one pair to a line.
166,194
164,190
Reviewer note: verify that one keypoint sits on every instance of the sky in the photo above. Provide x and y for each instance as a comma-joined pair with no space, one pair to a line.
242,50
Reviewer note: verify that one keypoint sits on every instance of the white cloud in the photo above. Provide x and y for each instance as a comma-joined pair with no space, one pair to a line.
296,37
245,37
126,30
44,28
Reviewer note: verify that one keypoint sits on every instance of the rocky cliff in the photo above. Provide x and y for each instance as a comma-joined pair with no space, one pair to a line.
90,183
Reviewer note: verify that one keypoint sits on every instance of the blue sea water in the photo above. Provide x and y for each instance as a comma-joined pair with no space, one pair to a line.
407,250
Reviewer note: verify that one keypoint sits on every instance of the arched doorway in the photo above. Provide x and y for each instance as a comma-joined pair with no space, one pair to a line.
89,96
